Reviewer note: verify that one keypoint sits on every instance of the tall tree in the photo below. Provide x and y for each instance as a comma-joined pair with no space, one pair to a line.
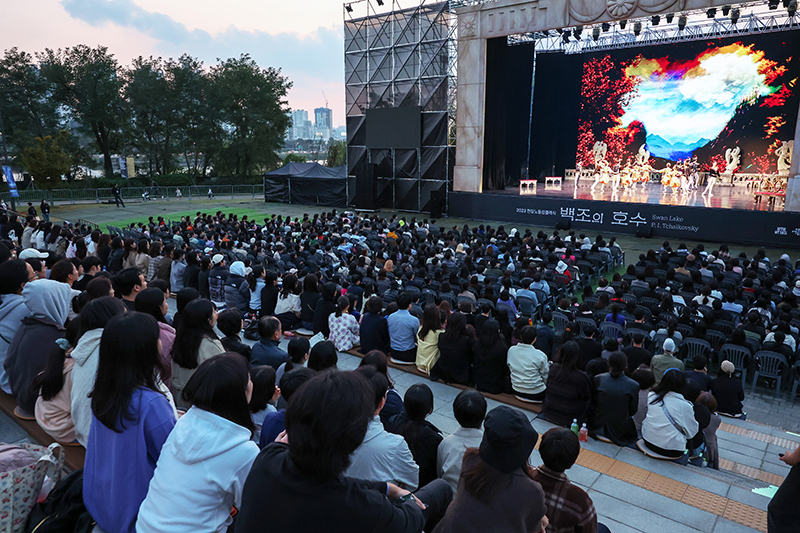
85,81
28,111
46,159
336,153
253,112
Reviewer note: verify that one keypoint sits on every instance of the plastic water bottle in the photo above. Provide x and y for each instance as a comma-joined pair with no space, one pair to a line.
583,436
575,427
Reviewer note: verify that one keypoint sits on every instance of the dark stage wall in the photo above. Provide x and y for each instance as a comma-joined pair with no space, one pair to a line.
690,224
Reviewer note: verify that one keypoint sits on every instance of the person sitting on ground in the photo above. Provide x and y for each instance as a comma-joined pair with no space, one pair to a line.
697,444
299,350
195,342
469,409
131,420
700,373
128,284
497,491
569,508
382,456
273,423
230,323
615,399
153,302
590,345
728,391
323,356
205,460
32,344
14,275
54,383
394,402
644,377
569,390
267,351
528,367
661,362
456,348
343,326
373,330
670,422
428,339
423,438
264,397
403,328
490,366
325,423
325,307
711,454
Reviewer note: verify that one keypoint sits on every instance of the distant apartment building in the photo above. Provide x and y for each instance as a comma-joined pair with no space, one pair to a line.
323,122
301,126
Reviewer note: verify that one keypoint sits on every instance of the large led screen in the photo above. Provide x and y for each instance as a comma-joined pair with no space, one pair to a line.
701,98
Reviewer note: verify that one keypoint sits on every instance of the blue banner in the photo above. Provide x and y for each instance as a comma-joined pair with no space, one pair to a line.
12,185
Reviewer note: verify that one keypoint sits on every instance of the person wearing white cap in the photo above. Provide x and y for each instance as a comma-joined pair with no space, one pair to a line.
663,361
796,290
728,391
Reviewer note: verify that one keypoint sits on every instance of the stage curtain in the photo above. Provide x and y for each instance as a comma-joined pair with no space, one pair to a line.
494,151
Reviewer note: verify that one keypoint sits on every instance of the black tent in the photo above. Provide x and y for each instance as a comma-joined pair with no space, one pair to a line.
307,183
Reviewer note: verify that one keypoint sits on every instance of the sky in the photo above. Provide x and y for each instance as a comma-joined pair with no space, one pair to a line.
302,37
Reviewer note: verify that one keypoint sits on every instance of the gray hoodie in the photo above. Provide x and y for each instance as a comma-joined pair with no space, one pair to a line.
12,311
48,302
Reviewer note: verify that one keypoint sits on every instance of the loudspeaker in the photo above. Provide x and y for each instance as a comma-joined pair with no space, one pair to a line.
436,204
366,187
564,225
645,232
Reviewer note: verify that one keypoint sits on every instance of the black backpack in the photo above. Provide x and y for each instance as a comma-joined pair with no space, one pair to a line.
63,511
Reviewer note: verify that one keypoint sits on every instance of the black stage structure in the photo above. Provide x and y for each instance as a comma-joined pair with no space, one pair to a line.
543,73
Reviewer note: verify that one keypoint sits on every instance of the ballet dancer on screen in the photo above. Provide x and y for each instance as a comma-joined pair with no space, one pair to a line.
713,174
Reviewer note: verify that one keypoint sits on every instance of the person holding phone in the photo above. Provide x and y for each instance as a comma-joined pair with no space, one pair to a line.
783,514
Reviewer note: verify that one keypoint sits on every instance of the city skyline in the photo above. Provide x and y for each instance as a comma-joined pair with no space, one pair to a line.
309,50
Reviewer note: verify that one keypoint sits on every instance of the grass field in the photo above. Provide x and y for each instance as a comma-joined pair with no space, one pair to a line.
176,215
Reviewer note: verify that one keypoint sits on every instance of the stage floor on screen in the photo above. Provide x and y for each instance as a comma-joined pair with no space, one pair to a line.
738,197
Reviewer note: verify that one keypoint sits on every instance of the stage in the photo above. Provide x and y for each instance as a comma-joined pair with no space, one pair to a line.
729,215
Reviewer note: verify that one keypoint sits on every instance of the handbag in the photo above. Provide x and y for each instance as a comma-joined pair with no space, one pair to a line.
251,331
20,488
672,421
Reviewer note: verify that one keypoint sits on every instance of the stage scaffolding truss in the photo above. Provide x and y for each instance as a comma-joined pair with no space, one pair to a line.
394,58
750,18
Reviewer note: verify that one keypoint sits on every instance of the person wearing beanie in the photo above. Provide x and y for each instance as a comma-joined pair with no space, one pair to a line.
661,362
569,508
728,391
497,492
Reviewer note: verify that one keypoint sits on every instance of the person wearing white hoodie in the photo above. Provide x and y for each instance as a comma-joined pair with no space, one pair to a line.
205,460
14,274
94,317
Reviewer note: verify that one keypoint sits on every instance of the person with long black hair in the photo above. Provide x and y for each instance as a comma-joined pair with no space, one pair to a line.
615,399
195,342
153,302
206,458
569,390
131,420
456,346
326,306
428,339
491,368
423,438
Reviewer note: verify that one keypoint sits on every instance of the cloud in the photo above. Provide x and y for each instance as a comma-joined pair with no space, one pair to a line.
317,58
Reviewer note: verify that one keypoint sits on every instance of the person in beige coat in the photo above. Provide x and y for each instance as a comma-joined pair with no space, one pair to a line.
195,342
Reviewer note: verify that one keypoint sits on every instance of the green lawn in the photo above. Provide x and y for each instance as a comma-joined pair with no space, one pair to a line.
251,214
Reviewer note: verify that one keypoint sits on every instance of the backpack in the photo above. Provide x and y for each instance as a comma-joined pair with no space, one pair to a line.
63,510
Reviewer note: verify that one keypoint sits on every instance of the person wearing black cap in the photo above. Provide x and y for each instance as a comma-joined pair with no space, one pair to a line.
496,492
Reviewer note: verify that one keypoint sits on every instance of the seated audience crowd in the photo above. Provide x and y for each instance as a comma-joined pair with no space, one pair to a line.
182,425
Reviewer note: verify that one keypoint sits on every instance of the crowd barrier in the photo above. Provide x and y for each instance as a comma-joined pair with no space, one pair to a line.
133,194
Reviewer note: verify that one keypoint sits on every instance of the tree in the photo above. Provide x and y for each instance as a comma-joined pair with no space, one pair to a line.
85,81
336,153
294,158
46,159
253,115
28,110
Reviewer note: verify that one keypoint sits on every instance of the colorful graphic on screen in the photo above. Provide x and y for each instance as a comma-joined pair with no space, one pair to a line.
692,99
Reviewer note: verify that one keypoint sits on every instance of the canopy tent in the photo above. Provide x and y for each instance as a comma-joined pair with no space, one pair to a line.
307,183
